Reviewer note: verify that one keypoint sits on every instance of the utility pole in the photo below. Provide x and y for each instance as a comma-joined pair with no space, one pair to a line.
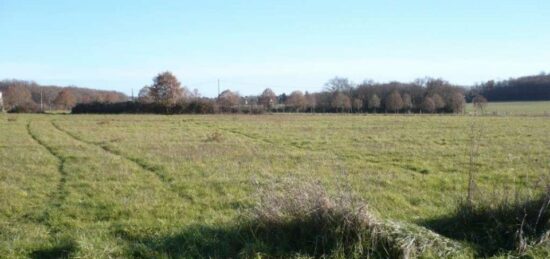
41,100
133,95
218,88
1,103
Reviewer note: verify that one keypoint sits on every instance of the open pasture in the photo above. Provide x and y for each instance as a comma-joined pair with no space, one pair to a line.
173,186
516,108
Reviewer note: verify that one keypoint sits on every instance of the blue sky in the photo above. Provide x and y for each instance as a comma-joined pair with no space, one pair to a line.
286,44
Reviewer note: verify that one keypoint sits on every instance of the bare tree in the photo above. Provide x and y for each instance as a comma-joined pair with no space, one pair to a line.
407,102
438,102
16,95
228,100
428,105
268,98
297,101
457,102
358,105
144,95
166,89
65,99
480,103
339,84
195,94
341,101
394,102
311,101
374,102
110,97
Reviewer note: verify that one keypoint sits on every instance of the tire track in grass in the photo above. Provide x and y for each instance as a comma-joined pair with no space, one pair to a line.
280,145
143,165
58,197
249,136
262,139
340,159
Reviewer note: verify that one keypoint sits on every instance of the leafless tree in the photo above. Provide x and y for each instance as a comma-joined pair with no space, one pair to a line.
195,94
311,101
394,102
110,97
228,100
341,102
144,95
16,95
438,102
374,102
358,104
480,103
339,84
297,101
268,98
428,105
166,89
65,99
407,102
457,102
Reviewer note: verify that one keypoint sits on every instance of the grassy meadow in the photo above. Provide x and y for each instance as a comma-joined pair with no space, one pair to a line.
153,186
516,108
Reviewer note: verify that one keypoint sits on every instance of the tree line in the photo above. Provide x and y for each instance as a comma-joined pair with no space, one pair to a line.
167,95
28,96
528,88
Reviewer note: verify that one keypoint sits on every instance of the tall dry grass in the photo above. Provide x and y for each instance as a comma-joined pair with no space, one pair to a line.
297,217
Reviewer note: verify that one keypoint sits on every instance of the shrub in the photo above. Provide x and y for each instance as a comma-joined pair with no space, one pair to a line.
480,103
196,106
28,107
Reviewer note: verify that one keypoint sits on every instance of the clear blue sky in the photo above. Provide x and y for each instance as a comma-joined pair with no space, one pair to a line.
284,44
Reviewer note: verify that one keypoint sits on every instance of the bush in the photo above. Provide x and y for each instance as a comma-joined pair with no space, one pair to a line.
28,107
136,107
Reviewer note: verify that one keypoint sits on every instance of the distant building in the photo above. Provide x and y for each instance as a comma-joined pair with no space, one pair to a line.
1,103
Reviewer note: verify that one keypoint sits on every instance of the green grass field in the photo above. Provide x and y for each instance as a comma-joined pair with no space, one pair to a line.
92,186
516,108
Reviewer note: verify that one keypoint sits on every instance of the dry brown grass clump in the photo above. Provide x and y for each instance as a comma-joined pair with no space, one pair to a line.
215,136
104,122
302,218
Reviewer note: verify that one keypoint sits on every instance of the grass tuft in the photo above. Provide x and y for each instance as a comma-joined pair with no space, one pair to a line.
302,218
215,136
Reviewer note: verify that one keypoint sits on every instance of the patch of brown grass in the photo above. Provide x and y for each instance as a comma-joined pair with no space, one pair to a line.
301,217
215,136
